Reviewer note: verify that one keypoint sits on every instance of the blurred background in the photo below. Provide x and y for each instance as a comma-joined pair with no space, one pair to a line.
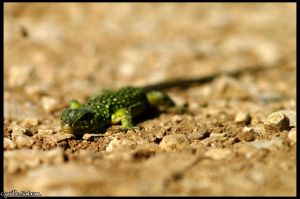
69,47
55,52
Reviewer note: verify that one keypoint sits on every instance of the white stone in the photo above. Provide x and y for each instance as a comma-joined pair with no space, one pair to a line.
91,137
242,117
248,129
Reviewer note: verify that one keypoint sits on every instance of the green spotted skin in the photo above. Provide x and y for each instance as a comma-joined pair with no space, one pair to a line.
104,110
121,106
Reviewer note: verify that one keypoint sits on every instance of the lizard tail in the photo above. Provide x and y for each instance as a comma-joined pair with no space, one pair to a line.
201,80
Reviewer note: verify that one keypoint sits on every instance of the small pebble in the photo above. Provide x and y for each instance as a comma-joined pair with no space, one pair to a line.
176,118
199,133
242,117
291,114
248,129
277,121
217,135
91,137
62,136
292,136
49,104
248,136
173,142
17,131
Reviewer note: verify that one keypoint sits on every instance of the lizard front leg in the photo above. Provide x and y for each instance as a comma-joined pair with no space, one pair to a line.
124,116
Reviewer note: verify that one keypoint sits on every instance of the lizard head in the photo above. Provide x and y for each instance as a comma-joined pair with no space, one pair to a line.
79,121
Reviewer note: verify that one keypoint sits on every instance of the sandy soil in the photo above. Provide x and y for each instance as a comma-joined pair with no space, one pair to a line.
237,137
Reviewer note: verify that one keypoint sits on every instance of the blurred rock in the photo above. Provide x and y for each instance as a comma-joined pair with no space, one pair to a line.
268,52
18,130
119,144
173,142
144,151
293,136
268,144
63,180
247,149
22,159
34,91
217,154
8,144
248,136
19,74
24,141
45,132
30,122
227,87
269,97
58,137
49,104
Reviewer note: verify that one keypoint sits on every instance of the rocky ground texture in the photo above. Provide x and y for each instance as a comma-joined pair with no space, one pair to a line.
237,136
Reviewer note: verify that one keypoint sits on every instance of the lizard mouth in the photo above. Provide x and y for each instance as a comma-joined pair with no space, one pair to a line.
66,128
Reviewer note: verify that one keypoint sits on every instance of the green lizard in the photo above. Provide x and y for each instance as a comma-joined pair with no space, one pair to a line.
113,107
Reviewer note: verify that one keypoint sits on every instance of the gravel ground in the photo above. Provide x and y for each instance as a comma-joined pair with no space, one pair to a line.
237,137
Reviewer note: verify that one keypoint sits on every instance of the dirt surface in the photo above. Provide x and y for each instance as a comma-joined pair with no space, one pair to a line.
231,140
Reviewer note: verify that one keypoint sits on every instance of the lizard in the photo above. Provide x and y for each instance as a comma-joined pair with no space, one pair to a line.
125,104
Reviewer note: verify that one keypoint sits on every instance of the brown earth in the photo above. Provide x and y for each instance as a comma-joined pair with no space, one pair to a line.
222,145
